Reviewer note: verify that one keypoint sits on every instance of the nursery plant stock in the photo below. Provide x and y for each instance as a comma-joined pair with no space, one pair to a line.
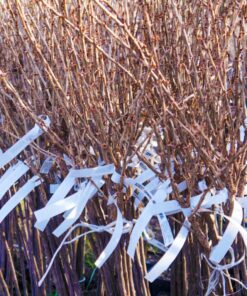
73,206
144,160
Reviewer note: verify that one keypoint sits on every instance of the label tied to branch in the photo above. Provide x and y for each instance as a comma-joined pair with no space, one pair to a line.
81,197
59,194
47,165
19,196
156,191
85,195
219,251
72,195
13,174
26,140
168,208
115,238
164,263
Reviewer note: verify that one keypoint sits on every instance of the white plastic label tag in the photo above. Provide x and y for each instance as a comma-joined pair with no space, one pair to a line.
164,263
69,182
75,213
19,196
68,160
112,244
59,194
219,251
11,176
47,165
20,145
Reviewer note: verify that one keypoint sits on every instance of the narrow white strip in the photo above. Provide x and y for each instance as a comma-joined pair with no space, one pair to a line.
59,194
234,222
159,196
47,165
165,229
93,172
9,171
138,229
145,176
11,176
242,133
164,263
57,208
75,213
81,187
219,251
21,144
93,228
151,209
165,207
112,244
182,186
59,248
153,184
217,199
69,182
238,226
19,196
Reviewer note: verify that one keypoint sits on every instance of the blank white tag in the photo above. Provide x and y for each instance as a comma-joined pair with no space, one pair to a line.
57,208
47,165
68,160
164,263
59,194
75,213
11,176
219,251
115,238
69,182
21,144
242,133
19,196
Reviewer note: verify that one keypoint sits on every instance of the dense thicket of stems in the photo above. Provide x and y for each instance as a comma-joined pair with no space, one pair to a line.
103,71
